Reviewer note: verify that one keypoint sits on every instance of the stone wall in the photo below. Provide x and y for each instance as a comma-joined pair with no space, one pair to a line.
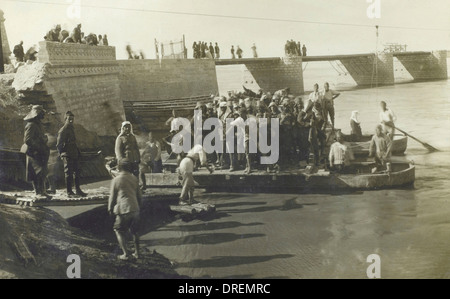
425,66
150,80
275,74
80,78
363,68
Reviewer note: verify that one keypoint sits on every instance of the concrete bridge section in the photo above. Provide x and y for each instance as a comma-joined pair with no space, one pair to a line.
273,73
366,69
425,66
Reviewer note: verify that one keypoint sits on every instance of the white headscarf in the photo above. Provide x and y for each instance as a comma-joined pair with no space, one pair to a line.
122,132
354,117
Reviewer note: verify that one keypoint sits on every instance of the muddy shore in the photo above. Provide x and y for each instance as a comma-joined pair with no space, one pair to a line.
35,243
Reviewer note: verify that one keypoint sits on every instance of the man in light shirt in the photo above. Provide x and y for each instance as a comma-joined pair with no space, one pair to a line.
328,96
314,97
387,119
340,155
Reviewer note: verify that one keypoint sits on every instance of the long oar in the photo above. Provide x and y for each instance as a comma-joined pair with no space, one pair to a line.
426,145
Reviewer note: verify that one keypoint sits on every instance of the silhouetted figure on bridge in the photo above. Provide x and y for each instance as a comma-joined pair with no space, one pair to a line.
217,51
304,50
239,52
18,52
255,54
211,50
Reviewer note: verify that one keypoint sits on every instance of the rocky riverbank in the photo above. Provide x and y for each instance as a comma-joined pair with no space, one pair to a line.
35,243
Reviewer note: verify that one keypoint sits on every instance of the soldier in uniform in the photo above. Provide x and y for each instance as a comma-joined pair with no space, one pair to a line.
36,149
69,152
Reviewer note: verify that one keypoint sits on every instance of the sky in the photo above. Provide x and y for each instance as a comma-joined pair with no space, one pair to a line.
422,25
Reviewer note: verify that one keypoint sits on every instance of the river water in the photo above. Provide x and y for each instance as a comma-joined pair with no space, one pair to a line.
330,236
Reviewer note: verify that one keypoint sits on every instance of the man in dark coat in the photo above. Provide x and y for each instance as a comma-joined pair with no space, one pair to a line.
53,35
36,149
76,34
211,50
69,152
18,52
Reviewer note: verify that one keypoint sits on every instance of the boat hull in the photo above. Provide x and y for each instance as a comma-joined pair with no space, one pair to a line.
402,175
399,145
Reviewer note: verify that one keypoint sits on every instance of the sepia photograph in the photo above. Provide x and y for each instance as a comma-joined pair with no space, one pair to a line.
237,141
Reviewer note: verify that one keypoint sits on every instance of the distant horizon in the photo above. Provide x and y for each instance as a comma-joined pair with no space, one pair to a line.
267,24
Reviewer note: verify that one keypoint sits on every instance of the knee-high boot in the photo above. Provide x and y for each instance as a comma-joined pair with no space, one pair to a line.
77,187
69,183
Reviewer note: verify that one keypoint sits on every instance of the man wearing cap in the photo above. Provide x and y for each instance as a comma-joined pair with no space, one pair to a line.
124,202
127,147
36,149
69,152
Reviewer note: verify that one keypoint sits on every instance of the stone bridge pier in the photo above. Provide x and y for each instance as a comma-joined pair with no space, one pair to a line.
425,66
273,74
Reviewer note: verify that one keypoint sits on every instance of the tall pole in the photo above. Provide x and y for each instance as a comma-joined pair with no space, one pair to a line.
2,67
376,59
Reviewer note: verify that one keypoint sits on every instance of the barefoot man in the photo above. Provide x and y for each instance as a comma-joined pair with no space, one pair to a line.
186,170
124,202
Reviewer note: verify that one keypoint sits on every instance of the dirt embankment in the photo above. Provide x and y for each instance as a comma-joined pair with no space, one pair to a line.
35,243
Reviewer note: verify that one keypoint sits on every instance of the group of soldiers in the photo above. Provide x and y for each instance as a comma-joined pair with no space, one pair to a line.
294,49
202,50
56,34
302,125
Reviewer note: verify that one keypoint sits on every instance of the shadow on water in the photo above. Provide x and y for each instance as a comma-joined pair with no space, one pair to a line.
237,204
154,214
230,261
289,204
203,239
209,226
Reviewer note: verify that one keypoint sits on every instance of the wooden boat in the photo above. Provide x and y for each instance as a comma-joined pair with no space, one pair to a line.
304,180
361,148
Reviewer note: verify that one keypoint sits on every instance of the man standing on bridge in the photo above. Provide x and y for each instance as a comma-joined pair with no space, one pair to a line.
217,50
18,52
255,54
69,152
